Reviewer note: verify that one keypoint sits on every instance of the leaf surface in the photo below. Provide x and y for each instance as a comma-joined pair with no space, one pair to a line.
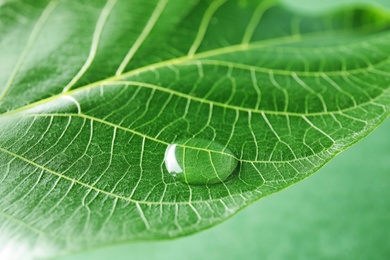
92,93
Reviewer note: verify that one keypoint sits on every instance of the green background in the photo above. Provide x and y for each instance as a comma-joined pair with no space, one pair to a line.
321,5
341,212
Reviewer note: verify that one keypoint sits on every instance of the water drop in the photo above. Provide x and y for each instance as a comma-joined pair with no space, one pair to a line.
199,161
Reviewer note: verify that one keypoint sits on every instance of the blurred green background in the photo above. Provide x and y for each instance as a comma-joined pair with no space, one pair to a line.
323,5
341,212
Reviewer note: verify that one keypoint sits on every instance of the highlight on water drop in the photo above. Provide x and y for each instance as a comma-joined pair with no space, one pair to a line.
199,161
171,163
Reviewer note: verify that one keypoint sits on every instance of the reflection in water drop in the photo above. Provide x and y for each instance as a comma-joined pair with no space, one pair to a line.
199,161
170,160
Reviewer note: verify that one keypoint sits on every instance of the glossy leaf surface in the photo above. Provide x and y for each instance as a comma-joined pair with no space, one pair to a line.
93,92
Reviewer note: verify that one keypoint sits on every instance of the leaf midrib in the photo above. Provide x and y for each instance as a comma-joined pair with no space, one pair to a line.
175,61
182,61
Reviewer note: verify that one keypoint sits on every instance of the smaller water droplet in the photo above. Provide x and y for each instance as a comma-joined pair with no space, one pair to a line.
199,161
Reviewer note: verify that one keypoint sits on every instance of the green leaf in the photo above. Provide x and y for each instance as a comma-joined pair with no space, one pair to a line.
92,93
326,216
